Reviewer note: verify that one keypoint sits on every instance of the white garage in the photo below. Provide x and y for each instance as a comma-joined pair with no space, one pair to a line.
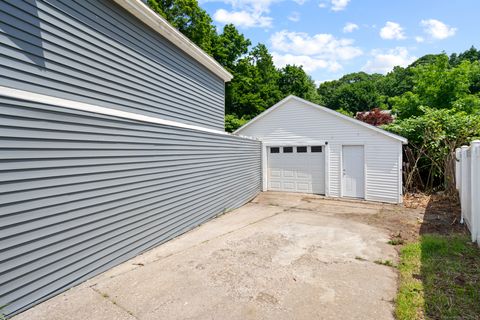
312,149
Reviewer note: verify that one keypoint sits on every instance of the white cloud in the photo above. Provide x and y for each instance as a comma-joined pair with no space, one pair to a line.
245,13
392,30
320,51
294,16
335,5
384,61
419,39
322,44
300,2
339,5
350,27
437,29
242,18
309,64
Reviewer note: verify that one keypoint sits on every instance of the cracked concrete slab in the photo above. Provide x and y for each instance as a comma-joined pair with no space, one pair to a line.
282,256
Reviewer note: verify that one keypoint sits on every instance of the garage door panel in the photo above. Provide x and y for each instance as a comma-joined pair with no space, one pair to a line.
275,186
289,186
275,173
297,172
304,187
303,175
288,173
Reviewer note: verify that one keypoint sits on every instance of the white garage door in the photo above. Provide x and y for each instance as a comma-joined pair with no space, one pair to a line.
296,169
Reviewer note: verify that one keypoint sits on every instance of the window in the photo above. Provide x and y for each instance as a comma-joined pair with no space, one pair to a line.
301,149
316,148
274,150
287,149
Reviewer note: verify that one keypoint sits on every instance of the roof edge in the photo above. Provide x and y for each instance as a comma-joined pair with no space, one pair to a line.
330,111
141,11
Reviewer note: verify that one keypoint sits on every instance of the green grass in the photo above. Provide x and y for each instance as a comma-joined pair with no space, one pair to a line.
439,279
396,242
387,263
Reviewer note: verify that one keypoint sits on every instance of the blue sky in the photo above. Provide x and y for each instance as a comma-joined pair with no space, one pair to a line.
333,37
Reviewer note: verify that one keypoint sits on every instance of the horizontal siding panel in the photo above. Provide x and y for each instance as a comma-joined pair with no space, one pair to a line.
81,192
96,52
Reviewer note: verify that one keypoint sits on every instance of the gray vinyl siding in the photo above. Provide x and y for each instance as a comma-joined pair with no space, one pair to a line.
94,51
81,192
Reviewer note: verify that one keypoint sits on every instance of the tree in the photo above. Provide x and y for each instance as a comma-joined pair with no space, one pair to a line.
438,85
230,46
471,55
294,80
395,83
353,92
255,85
189,19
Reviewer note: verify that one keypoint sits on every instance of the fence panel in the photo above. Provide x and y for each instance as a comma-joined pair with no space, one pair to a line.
468,184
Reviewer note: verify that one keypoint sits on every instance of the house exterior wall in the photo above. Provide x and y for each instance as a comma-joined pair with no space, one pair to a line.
82,192
295,123
94,51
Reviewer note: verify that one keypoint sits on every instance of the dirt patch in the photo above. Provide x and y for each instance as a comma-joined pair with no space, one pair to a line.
420,214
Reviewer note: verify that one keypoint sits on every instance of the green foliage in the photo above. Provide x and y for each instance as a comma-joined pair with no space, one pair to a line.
230,46
433,137
345,112
232,123
439,85
294,80
254,87
353,92
188,18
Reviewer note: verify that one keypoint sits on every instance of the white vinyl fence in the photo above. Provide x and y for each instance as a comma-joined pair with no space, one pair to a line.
467,174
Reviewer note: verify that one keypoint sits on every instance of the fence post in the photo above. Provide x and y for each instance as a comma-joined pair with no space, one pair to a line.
475,189
458,169
464,181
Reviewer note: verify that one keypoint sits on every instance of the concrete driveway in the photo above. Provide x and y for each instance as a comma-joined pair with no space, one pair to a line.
282,256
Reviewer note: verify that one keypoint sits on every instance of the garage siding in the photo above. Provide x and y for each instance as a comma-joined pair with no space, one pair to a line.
297,123
81,192
95,52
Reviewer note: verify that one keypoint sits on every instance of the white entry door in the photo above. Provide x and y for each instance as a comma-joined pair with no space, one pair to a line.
353,175
296,169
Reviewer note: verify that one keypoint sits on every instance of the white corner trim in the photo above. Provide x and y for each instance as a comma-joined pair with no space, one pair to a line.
70,104
327,110
163,27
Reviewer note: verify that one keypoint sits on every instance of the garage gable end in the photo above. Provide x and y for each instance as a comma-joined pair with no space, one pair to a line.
285,125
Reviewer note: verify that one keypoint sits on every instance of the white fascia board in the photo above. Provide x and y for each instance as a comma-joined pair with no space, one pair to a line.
330,111
81,106
163,27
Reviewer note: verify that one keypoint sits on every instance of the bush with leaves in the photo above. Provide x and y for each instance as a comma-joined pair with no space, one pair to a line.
376,117
433,138
232,123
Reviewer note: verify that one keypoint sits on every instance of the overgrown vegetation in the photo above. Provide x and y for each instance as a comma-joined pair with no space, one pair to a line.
439,278
434,102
